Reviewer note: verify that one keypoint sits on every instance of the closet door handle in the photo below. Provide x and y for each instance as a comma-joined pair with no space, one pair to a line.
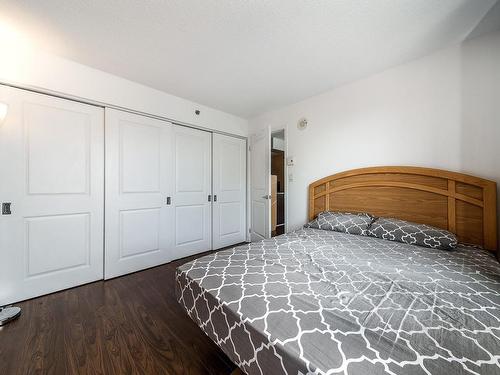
6,208
209,198
169,201
215,198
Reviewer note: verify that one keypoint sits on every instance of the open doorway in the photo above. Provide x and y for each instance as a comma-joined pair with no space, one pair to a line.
278,185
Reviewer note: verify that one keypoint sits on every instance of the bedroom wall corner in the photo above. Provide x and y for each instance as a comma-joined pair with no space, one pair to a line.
480,109
440,111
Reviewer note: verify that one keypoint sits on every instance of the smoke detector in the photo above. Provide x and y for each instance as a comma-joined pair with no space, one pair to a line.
302,124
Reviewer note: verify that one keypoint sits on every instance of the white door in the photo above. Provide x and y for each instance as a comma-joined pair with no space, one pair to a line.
52,173
260,153
139,225
229,189
192,157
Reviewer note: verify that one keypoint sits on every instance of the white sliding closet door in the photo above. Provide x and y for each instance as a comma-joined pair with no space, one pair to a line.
139,225
52,174
192,191
229,189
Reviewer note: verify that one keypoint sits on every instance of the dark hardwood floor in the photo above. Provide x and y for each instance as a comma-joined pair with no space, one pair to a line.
128,325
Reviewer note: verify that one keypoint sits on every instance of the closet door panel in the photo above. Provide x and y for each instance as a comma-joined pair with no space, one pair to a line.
140,146
52,168
139,228
229,208
192,170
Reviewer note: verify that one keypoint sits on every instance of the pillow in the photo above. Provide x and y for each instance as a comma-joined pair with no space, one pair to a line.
412,233
352,223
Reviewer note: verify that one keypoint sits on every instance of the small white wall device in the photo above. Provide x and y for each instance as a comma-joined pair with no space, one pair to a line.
302,123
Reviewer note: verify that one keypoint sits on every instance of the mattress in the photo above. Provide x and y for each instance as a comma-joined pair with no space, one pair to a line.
322,302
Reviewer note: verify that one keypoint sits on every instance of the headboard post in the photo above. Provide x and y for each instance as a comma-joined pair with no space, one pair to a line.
452,206
463,204
490,216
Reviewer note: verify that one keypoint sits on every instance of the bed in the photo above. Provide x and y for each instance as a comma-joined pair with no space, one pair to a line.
322,302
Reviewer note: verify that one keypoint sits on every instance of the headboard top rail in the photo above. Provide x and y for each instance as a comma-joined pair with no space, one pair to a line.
463,204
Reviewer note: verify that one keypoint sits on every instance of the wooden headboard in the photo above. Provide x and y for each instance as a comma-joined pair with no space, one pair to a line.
462,204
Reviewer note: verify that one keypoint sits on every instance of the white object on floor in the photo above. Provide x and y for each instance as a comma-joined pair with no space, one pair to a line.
8,314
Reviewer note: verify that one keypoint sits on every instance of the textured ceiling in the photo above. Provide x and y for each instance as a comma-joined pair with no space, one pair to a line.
244,57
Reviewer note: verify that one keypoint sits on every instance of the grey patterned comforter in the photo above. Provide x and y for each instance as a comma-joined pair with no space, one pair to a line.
323,302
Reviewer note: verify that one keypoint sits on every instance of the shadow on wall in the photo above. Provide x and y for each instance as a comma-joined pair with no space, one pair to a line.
480,106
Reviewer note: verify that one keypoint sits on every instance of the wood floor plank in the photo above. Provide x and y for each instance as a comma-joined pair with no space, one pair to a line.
128,325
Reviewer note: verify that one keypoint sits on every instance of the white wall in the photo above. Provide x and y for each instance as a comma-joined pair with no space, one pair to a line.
441,111
31,67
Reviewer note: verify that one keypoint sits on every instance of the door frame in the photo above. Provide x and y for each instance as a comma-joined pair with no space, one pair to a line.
287,180
267,130
287,170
